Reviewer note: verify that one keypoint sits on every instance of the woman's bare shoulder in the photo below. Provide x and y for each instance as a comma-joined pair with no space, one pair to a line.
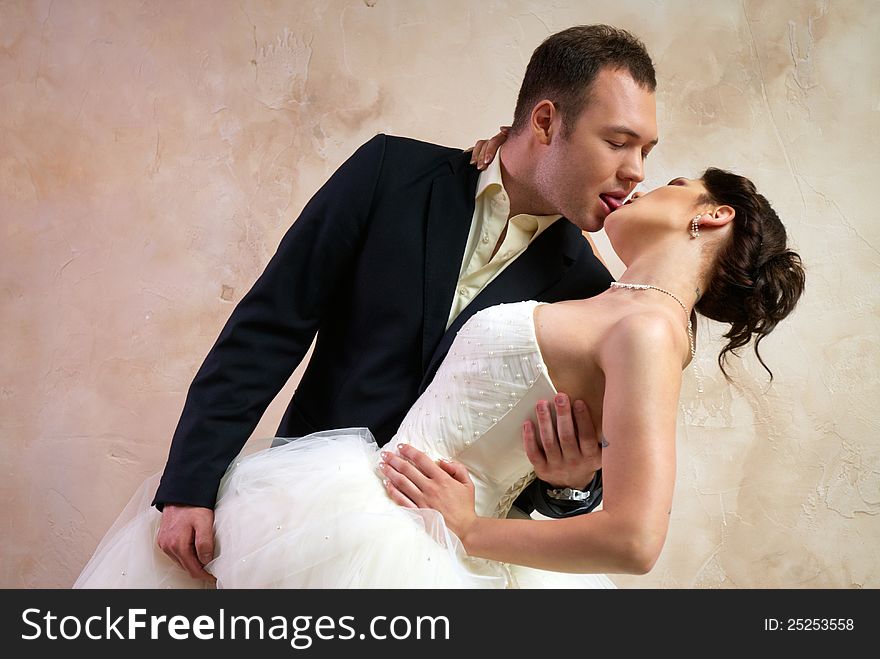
644,335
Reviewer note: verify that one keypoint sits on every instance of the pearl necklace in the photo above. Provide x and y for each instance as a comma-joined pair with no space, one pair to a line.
644,287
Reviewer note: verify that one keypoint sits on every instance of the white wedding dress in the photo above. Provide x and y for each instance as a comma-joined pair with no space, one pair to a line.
314,514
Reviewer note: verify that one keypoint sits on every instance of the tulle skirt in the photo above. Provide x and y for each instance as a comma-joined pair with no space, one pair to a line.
312,513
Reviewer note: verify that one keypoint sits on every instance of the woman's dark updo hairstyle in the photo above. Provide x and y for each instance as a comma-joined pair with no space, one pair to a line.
757,280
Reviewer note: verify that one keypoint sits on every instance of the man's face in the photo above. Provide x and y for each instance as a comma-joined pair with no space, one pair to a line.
588,173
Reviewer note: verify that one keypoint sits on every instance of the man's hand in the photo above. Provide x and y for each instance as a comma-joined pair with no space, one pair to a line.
186,534
570,459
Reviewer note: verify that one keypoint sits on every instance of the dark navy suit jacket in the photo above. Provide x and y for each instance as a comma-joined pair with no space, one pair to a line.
371,266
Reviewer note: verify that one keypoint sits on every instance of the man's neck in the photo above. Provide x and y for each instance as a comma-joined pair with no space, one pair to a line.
516,173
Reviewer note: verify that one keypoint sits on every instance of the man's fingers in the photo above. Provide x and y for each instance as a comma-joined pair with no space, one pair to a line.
171,553
547,432
591,449
185,556
186,533
568,438
533,449
191,564
586,431
204,540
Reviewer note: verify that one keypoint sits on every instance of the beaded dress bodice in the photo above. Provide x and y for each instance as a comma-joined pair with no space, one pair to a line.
473,411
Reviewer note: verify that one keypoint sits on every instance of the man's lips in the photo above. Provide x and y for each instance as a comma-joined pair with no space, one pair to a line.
612,202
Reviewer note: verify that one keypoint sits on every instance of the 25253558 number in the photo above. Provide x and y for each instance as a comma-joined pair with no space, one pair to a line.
809,624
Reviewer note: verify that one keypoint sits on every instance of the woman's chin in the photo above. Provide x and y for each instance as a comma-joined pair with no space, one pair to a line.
612,228
618,243
619,251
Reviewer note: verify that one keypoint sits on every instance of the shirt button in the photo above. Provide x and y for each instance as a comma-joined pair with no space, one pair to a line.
462,291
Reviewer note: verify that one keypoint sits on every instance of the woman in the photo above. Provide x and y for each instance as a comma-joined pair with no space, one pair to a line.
314,513
623,352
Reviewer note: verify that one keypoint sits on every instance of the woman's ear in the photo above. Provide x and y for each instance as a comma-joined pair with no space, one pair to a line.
717,218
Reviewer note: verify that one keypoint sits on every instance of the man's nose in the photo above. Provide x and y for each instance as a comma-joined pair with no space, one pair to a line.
634,168
637,194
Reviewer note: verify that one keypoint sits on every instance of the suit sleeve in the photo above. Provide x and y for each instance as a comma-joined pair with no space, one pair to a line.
270,331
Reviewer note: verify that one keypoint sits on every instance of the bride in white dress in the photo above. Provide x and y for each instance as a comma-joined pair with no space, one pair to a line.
429,511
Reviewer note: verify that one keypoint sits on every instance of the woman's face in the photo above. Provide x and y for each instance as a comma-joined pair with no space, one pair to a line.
655,214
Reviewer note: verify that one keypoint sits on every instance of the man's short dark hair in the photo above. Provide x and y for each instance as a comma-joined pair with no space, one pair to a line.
563,68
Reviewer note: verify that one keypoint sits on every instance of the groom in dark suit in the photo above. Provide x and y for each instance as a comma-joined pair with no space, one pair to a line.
396,251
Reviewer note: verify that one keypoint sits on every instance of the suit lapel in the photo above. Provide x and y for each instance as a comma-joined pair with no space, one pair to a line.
449,220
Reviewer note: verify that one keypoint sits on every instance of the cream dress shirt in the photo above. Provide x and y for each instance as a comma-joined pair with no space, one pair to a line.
491,211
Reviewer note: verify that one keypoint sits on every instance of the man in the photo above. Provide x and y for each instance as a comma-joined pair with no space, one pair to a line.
396,251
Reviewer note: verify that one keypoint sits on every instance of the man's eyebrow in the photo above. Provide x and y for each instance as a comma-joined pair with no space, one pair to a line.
629,131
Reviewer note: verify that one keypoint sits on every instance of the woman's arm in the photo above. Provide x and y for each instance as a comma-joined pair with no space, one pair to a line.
642,359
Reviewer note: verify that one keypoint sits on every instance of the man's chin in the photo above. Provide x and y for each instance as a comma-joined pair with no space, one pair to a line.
590,223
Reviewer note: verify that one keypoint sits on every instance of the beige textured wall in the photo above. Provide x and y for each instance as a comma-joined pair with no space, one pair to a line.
152,155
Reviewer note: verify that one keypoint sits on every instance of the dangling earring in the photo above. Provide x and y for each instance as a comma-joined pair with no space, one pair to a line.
695,226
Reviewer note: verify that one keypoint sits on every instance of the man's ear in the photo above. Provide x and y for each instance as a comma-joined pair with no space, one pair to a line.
719,217
543,117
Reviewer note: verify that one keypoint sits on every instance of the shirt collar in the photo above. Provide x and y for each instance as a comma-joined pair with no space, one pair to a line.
490,178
